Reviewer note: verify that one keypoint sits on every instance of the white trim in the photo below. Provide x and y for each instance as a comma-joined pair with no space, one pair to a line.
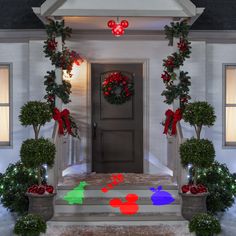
210,36
91,8
188,7
49,7
145,63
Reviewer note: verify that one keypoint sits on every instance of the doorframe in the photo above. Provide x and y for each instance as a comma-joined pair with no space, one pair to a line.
145,63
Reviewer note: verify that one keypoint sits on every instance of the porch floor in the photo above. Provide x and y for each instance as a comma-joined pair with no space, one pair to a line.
129,179
157,230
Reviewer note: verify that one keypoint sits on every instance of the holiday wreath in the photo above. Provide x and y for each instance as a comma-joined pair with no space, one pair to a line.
117,88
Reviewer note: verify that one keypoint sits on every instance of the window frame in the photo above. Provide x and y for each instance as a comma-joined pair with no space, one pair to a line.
9,145
225,144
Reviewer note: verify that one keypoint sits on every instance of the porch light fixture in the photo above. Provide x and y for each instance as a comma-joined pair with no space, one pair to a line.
118,29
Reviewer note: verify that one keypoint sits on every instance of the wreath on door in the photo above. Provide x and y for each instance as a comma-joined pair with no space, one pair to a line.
118,88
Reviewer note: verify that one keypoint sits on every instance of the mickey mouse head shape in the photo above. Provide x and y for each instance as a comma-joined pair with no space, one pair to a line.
118,29
127,208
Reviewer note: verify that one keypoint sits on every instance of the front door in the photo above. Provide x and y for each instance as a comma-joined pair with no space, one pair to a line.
117,128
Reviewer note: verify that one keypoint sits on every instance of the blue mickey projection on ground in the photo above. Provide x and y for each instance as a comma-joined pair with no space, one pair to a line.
160,197
76,196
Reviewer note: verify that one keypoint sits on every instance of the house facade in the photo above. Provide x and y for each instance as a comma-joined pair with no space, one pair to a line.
108,131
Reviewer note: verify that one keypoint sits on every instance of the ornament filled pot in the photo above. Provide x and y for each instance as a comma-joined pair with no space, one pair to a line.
42,205
193,204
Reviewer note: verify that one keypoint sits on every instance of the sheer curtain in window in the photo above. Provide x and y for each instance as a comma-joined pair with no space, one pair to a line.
4,104
230,104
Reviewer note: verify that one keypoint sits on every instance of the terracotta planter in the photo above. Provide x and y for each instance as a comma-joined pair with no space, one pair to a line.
193,204
42,205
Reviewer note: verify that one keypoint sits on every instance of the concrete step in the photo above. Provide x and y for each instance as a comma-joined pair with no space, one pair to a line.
118,191
119,187
105,201
116,218
108,209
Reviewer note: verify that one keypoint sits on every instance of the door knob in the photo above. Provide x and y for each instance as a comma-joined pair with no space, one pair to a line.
94,130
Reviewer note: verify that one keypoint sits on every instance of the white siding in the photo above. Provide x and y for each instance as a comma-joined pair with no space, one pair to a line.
217,54
17,54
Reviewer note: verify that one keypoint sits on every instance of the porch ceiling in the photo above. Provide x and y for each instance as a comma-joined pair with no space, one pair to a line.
142,15
100,23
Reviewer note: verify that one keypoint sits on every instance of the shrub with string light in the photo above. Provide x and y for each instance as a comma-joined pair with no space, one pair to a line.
221,185
30,225
13,185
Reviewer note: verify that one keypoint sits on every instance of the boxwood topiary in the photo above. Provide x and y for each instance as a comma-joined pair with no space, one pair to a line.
13,185
35,113
30,225
221,185
36,152
199,114
198,152
204,225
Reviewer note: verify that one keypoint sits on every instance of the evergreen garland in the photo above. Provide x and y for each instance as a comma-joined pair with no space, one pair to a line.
61,59
174,61
176,30
62,91
180,90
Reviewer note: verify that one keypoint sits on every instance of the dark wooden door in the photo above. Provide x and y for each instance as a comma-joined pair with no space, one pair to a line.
117,129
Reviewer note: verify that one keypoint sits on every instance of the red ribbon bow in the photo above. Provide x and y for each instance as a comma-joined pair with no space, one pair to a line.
173,117
62,118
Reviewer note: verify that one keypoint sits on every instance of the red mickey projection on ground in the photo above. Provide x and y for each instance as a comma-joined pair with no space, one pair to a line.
130,207
116,179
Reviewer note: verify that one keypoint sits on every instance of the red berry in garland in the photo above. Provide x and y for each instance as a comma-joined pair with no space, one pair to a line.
166,77
52,45
183,45
169,62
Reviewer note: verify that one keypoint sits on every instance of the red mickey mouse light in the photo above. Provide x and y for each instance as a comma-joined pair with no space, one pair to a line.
118,29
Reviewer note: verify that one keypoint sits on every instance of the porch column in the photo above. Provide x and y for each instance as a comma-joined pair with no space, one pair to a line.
179,173
55,173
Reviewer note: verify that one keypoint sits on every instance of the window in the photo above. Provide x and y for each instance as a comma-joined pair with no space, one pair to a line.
230,105
5,110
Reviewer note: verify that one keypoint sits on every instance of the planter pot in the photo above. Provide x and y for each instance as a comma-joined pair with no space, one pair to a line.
42,205
193,204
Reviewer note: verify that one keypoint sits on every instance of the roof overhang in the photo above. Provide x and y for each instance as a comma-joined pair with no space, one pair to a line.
164,8
93,14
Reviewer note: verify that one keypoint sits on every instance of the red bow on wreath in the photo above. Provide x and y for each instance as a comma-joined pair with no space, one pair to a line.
171,119
62,118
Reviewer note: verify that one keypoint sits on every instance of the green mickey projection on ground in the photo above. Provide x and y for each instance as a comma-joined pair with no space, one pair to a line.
76,195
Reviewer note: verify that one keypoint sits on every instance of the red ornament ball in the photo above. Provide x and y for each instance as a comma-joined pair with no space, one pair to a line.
185,188
124,24
49,189
111,23
41,190
118,30
193,190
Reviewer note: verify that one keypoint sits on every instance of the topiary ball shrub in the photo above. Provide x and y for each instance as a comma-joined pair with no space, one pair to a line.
35,153
199,114
204,225
198,152
35,113
221,185
30,225
13,186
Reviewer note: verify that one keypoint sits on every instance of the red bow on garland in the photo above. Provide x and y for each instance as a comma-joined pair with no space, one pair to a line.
171,119
62,118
